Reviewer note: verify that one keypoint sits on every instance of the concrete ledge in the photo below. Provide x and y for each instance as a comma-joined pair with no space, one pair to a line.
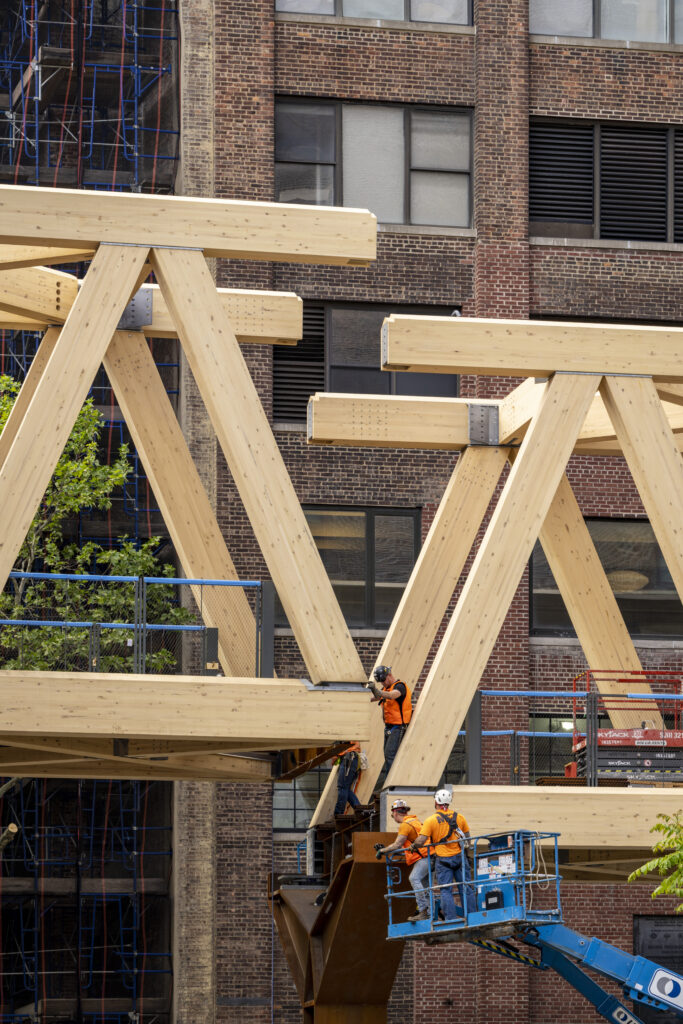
390,26
605,44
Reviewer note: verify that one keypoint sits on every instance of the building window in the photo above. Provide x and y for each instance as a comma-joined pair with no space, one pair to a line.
636,570
294,802
340,352
659,937
369,555
606,181
550,748
408,165
647,21
444,12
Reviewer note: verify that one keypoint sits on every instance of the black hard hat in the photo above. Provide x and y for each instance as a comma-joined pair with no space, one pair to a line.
381,672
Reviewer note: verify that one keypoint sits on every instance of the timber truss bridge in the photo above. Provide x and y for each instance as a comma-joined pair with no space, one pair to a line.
585,388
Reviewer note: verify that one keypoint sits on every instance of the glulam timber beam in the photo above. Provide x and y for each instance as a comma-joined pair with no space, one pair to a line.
529,348
671,393
428,592
14,257
590,817
389,422
182,499
229,769
257,467
220,227
493,580
60,392
38,292
517,410
652,455
102,705
272,318
112,748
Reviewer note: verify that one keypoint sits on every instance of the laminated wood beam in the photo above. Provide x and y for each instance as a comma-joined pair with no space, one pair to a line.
428,592
671,393
61,391
492,581
388,421
654,460
38,292
525,348
13,257
107,749
591,817
27,391
598,426
271,318
221,227
592,606
256,317
235,769
181,497
256,465
102,705
517,410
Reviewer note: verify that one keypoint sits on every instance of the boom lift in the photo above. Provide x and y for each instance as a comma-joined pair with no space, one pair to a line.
516,881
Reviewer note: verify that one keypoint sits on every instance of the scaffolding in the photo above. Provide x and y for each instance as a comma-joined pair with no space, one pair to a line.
88,93
85,927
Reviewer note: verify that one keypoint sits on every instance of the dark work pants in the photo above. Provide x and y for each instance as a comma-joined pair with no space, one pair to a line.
393,734
346,777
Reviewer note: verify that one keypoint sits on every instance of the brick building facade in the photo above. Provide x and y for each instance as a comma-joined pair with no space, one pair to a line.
239,58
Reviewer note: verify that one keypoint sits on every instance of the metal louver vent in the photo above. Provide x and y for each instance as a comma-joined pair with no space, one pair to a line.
299,371
633,183
678,187
561,173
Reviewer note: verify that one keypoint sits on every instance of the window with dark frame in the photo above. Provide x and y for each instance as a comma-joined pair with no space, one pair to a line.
369,554
340,352
647,21
408,165
637,572
444,12
606,180
659,937
294,802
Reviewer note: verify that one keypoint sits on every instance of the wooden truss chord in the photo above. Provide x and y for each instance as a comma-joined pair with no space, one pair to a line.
671,393
181,497
654,460
61,391
592,607
382,421
14,257
271,318
228,769
100,705
591,817
257,467
428,592
493,580
27,391
221,227
113,748
38,292
517,410
523,348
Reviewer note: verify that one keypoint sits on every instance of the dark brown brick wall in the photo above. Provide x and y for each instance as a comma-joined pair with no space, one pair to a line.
499,275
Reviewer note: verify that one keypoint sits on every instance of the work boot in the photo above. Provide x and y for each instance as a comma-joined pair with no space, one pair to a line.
421,915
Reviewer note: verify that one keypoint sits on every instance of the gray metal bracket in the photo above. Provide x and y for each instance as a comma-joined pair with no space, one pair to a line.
483,424
138,312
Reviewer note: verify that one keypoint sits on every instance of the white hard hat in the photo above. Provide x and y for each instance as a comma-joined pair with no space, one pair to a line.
443,796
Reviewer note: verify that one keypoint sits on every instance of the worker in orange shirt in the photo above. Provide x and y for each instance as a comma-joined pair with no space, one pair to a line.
447,833
395,699
409,826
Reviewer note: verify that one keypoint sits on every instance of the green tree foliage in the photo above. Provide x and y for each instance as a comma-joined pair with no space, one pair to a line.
82,481
669,862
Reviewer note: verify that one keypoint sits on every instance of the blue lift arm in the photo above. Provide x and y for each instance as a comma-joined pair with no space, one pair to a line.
642,980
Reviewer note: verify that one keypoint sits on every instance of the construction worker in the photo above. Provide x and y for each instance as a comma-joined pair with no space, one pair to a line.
348,771
445,831
397,709
409,826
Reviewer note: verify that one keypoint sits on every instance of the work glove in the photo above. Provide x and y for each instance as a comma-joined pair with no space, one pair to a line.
378,846
379,855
